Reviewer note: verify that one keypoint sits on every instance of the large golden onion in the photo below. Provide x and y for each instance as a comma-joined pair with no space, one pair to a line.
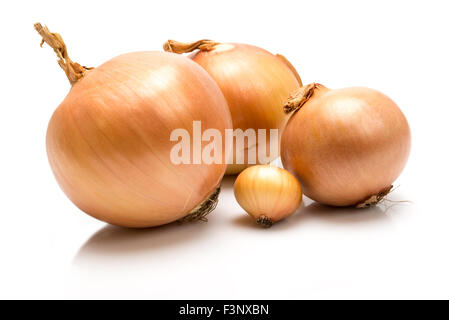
346,146
109,145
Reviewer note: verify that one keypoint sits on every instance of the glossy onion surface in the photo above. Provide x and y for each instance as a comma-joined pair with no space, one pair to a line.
255,84
109,145
346,145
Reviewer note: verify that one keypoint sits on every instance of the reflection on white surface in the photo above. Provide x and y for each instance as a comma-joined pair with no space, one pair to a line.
116,241
112,240
308,251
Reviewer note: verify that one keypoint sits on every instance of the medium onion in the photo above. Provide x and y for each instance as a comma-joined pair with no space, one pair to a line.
345,146
254,82
108,143
267,193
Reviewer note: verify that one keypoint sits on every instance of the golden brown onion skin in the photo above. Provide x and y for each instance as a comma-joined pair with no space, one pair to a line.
109,145
346,145
255,84
267,191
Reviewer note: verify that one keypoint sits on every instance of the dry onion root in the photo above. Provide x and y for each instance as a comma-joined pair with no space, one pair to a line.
269,194
345,146
108,143
254,82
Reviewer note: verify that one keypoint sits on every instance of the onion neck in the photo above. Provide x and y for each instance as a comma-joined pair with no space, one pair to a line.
73,70
299,98
185,47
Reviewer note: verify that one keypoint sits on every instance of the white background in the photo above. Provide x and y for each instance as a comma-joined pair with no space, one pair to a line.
50,249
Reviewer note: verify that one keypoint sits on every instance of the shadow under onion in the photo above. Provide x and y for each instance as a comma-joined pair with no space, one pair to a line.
317,212
111,241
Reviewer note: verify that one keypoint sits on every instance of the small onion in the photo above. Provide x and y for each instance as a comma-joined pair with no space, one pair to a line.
345,146
254,82
108,143
267,193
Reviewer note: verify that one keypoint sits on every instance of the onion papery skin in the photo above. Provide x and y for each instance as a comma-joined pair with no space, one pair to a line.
346,145
255,84
108,143
268,193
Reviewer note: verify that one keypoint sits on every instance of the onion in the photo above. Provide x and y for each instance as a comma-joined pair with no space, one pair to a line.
267,193
108,143
254,82
345,146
